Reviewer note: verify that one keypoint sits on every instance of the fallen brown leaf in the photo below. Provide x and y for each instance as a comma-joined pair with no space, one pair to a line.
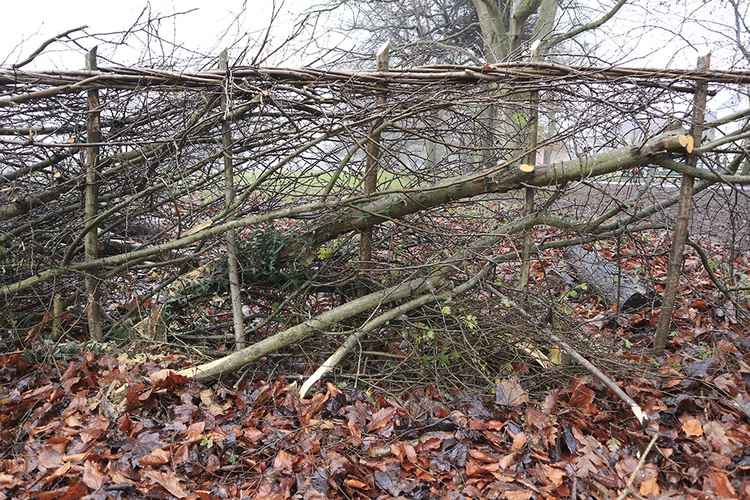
157,456
167,480
93,477
691,426
509,393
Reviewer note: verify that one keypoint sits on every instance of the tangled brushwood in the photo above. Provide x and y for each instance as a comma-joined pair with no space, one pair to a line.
432,217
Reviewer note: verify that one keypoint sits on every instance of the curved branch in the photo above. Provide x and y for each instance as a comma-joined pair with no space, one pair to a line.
588,26
46,44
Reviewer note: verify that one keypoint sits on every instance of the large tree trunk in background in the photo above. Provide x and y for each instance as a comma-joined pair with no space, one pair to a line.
503,27
493,22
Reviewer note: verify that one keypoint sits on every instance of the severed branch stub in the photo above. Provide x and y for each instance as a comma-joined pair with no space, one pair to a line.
688,142
526,168
670,142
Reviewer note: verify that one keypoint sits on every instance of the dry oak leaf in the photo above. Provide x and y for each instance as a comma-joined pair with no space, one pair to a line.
167,480
717,483
93,477
158,456
554,474
518,494
691,426
95,429
405,452
481,456
582,397
7,480
519,441
283,462
356,484
74,492
716,434
195,432
381,419
50,455
167,379
214,408
650,487
509,393
475,468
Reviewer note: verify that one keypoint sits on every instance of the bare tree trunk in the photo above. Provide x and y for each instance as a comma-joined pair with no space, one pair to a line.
683,216
93,135
233,267
373,157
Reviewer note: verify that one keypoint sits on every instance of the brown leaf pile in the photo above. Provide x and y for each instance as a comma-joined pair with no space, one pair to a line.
77,434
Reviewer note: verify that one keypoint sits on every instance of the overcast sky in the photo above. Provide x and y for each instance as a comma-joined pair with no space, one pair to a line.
23,29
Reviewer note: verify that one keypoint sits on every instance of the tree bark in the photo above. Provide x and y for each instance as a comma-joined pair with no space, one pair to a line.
604,277
373,158
93,134
501,179
683,216
320,323
233,266
57,312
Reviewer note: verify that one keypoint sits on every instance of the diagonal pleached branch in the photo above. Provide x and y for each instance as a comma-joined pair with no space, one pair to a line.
318,324
395,205
383,319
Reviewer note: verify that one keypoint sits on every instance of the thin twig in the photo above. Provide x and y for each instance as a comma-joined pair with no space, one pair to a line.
46,44
638,467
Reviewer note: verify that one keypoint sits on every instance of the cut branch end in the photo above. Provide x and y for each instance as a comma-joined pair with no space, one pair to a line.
687,142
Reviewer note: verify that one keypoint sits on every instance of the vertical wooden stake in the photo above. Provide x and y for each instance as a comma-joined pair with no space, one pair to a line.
373,157
528,207
91,193
57,312
233,266
683,215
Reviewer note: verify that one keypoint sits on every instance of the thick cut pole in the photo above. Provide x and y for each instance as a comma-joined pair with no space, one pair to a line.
528,207
683,215
624,290
57,312
373,157
233,267
93,135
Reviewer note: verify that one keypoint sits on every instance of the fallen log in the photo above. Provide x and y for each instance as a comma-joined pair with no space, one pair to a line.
605,277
